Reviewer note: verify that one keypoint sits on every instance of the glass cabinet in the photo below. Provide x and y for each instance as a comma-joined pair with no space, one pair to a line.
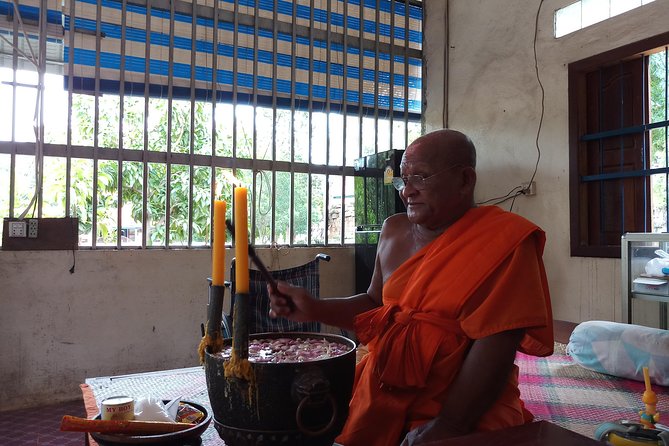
645,273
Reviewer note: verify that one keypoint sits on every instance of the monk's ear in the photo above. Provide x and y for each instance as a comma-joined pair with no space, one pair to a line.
468,181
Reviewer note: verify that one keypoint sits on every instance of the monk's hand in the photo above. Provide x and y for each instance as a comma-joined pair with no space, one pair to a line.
292,302
431,431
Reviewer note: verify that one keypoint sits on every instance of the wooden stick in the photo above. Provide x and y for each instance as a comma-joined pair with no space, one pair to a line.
126,427
264,272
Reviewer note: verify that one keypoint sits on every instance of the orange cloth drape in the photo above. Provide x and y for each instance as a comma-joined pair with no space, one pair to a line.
482,276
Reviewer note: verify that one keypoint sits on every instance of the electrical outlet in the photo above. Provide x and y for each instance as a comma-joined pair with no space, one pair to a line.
17,228
529,189
32,228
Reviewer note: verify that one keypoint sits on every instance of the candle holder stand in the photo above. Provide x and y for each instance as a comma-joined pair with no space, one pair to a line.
240,325
215,311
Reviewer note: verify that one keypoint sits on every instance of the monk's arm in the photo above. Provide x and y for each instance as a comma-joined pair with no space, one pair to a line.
341,312
479,382
337,311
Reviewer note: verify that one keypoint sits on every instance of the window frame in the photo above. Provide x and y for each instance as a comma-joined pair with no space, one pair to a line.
577,72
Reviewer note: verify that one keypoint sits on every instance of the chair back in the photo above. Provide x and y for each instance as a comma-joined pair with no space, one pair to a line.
306,276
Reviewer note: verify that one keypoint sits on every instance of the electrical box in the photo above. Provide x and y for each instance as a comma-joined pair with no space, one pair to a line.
34,234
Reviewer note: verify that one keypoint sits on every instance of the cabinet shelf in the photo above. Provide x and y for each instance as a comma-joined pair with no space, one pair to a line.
637,249
651,297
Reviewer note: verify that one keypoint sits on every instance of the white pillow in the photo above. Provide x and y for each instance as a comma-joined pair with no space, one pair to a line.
621,350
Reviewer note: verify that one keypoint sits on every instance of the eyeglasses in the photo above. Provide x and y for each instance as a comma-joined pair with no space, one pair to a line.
418,182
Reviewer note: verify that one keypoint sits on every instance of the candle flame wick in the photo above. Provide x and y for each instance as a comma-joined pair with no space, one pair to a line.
231,178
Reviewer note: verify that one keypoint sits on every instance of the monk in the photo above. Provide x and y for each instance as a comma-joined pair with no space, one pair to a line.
456,290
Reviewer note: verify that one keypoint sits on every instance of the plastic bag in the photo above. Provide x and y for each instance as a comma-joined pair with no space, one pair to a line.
151,409
657,267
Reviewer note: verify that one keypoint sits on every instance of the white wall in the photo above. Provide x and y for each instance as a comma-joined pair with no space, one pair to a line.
119,312
494,97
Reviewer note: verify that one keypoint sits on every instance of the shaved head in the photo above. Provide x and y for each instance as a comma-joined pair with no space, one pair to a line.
445,160
446,147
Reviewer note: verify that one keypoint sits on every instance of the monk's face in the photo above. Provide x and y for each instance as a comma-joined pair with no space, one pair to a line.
447,191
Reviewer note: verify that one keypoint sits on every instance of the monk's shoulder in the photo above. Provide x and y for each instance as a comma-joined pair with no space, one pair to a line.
395,225
395,236
394,245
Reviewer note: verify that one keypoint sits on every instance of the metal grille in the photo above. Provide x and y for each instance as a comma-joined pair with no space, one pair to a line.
155,105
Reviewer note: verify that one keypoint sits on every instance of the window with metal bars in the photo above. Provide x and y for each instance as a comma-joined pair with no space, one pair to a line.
619,155
581,14
133,115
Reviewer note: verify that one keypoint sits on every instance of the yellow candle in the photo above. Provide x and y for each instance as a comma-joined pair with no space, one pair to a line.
218,245
241,241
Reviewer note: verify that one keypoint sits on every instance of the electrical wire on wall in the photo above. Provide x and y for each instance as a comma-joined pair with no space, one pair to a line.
522,189
37,118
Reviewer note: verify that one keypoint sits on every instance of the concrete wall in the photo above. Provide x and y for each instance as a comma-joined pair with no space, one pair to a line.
119,312
493,96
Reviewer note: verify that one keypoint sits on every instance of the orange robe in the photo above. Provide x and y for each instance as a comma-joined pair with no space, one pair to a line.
482,276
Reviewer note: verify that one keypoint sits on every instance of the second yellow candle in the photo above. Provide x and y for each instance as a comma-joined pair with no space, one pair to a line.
241,241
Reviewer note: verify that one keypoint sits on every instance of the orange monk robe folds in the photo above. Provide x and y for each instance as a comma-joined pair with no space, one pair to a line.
482,276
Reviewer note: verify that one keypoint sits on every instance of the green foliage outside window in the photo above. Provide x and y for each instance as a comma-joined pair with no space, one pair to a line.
180,175
657,69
